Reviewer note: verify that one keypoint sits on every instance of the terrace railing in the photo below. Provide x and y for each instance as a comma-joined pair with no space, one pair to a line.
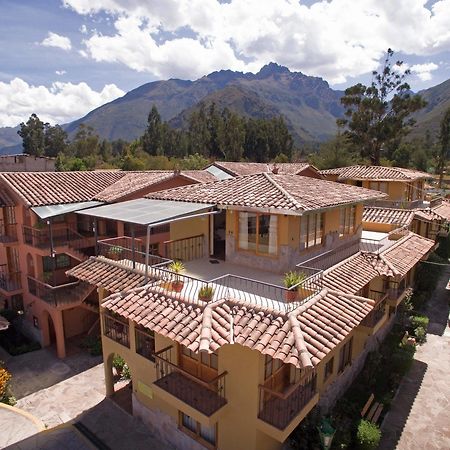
8,232
280,408
377,313
206,397
68,294
185,249
9,281
116,329
398,204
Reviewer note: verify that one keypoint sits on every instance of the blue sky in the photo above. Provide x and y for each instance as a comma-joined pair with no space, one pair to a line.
62,58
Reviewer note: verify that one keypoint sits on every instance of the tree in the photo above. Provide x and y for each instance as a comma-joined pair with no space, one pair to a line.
33,136
378,115
152,140
444,141
55,140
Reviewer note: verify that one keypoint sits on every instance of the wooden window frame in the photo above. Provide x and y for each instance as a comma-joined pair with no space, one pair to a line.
256,252
196,434
345,355
346,227
269,360
307,218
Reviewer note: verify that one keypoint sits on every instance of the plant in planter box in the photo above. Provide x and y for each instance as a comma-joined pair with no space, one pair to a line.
206,293
177,267
115,252
292,282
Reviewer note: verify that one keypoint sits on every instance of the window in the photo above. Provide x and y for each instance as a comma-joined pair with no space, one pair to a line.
345,355
145,342
347,220
329,366
206,435
311,230
258,233
381,186
61,261
271,366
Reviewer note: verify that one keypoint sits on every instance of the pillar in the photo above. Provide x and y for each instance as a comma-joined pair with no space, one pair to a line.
59,331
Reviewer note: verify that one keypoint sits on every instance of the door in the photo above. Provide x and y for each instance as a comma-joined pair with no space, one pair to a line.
203,366
219,235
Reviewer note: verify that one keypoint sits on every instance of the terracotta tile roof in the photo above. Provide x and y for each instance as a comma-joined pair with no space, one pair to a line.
302,338
352,274
103,272
5,199
375,173
269,191
252,168
427,215
132,182
407,252
49,188
201,176
443,210
388,215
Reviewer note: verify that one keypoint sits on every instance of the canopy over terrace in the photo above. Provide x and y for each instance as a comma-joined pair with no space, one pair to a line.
149,213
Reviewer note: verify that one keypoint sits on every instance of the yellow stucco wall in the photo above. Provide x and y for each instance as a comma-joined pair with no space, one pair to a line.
189,227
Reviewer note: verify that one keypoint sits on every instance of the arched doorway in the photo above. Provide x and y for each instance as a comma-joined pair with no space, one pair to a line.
118,381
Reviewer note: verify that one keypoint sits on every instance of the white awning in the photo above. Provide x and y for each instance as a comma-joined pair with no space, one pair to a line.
44,212
146,211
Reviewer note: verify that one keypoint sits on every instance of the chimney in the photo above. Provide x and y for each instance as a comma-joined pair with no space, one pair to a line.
275,169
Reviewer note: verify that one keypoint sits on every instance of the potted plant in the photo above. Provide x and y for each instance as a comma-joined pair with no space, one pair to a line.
290,280
206,293
115,252
177,267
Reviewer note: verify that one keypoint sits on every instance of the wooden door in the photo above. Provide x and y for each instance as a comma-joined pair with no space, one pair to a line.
203,366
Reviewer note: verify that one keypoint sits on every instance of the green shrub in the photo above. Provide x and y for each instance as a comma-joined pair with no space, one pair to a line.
93,344
118,363
420,334
368,435
402,359
419,321
428,274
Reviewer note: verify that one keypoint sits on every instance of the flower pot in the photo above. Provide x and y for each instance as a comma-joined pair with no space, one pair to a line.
291,295
177,286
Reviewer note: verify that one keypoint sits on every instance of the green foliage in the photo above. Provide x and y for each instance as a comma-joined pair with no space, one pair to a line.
193,162
206,292
293,278
176,267
377,116
420,334
419,320
336,152
33,136
444,141
428,274
402,359
368,435
121,367
444,247
93,344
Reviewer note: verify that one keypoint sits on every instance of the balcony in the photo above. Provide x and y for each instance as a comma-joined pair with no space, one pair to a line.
65,295
9,281
116,329
378,312
207,397
45,238
8,232
280,408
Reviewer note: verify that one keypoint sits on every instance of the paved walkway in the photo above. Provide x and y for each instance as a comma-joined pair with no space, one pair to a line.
419,416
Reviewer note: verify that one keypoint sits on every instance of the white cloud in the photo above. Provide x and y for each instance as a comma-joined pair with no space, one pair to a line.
56,40
423,71
60,103
60,72
83,29
335,39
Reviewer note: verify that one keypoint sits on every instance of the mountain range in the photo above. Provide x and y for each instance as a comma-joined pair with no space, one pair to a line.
308,104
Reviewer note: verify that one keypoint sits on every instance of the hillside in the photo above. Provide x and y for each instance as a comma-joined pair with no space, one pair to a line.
429,118
309,105
10,141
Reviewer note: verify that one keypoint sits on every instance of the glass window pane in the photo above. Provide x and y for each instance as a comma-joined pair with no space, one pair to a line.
243,230
303,230
208,433
189,422
319,229
251,231
263,233
311,230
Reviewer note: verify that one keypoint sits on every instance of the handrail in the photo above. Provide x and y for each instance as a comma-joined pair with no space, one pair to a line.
49,286
293,387
205,384
183,239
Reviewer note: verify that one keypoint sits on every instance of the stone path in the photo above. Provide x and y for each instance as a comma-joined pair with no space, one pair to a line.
419,417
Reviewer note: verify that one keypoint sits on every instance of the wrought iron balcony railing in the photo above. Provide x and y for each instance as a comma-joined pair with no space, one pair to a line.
8,232
116,329
9,281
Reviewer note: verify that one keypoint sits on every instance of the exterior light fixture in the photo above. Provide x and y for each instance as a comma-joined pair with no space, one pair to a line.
326,433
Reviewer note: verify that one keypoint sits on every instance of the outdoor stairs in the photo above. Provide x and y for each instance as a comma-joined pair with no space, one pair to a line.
75,295
74,253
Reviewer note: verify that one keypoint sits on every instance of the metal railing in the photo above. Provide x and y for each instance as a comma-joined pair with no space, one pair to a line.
58,236
234,287
205,396
280,408
8,232
145,343
185,249
398,204
378,311
116,329
62,295
9,281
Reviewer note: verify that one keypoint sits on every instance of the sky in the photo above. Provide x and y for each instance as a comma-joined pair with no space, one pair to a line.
63,58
